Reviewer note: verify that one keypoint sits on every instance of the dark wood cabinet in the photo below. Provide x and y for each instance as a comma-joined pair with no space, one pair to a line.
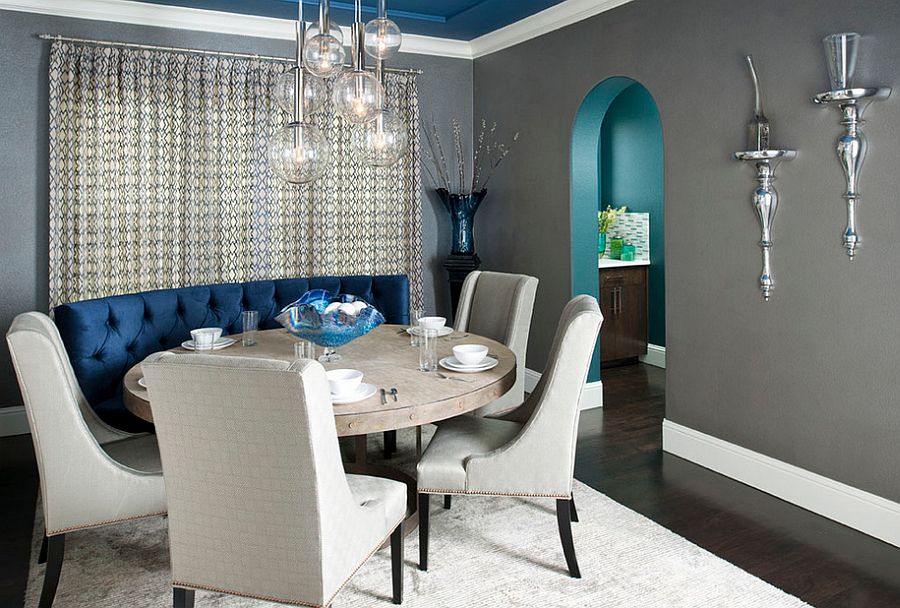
623,301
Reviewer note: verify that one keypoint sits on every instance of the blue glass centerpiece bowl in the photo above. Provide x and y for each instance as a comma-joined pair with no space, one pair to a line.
309,319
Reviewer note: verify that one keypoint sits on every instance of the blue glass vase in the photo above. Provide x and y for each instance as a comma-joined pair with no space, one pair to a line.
462,208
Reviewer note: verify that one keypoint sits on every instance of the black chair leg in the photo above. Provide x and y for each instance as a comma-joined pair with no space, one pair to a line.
182,598
390,443
564,519
424,504
397,563
574,512
56,546
446,501
42,556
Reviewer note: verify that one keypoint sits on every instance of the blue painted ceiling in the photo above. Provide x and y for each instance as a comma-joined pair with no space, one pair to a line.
459,19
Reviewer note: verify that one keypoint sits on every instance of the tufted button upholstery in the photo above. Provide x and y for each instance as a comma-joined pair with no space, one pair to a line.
105,337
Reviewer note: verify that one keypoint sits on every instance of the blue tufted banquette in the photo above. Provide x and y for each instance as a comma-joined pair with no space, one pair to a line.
105,337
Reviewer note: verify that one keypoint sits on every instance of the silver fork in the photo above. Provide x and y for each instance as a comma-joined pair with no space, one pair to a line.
445,377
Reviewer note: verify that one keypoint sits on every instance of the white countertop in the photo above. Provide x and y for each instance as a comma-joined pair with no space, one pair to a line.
608,263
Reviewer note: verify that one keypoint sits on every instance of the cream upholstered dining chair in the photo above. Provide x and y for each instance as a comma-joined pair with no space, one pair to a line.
535,457
90,473
259,504
499,306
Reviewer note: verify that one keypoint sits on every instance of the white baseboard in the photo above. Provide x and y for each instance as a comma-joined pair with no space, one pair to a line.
13,421
844,504
656,356
591,397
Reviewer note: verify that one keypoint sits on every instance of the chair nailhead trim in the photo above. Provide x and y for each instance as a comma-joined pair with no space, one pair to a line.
102,523
488,493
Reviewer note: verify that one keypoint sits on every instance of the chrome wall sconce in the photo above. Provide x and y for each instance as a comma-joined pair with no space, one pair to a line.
840,51
765,197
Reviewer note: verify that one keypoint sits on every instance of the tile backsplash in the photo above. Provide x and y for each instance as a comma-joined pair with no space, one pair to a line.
634,227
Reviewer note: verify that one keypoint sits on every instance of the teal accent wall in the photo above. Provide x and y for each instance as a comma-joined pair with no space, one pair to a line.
631,173
585,192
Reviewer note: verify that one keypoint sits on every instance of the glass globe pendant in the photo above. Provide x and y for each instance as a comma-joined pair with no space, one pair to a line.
315,93
383,38
299,153
357,96
380,142
313,30
324,54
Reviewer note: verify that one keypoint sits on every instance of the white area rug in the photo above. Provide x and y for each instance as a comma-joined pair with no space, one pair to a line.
485,552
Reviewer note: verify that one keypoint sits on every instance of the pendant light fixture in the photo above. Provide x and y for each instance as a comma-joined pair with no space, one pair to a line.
382,36
299,152
357,94
324,54
382,141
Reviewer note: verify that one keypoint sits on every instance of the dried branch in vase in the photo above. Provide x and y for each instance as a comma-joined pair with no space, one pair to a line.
488,154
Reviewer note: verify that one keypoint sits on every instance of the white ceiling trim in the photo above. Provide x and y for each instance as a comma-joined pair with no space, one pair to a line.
178,17
553,18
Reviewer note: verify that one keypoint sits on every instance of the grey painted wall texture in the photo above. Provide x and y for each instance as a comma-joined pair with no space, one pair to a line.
445,91
809,378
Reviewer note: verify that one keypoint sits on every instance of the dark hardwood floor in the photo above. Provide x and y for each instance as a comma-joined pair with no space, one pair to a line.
824,563
619,453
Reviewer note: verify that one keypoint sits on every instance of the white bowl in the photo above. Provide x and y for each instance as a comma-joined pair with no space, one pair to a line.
470,354
432,322
343,381
214,332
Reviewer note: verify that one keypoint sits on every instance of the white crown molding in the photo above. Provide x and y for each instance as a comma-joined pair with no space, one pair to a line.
178,17
845,504
553,18
591,396
13,421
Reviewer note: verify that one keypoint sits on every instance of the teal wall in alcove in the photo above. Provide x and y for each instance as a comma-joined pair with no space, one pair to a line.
587,185
631,173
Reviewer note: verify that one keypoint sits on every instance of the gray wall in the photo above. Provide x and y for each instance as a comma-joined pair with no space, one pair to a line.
809,378
445,91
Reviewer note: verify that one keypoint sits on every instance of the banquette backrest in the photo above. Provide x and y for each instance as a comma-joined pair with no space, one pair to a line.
105,337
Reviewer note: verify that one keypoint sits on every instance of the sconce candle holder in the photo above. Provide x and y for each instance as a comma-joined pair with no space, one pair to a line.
851,146
765,200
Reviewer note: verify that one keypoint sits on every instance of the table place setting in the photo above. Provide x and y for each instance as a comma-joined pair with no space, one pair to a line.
346,386
469,359
206,339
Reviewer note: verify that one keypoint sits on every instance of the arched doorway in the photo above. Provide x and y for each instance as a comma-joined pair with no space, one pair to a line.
617,158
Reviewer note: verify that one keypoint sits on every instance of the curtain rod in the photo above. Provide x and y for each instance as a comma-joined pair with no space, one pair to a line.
153,47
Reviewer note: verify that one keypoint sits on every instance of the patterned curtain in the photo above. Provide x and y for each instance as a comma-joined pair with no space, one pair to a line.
159,178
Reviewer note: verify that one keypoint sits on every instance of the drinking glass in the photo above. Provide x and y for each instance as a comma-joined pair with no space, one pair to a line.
414,315
840,54
428,350
250,323
304,349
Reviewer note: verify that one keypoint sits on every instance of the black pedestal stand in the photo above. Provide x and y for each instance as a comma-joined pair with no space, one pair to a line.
458,266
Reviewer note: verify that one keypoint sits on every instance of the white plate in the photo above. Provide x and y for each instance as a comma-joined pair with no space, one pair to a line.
142,382
220,344
363,391
444,331
454,365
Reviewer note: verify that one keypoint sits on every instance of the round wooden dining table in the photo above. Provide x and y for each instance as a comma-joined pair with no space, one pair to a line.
387,360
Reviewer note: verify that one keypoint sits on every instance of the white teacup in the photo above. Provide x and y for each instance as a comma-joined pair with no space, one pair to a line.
470,354
432,322
205,337
343,381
